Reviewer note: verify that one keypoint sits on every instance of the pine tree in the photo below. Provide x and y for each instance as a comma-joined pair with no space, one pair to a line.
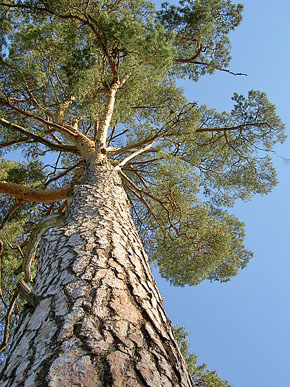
201,375
114,158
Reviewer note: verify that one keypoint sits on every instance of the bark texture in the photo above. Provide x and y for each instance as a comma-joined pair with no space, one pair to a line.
33,194
100,320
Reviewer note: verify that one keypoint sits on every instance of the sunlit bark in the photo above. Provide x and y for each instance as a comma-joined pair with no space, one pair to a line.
100,320
33,194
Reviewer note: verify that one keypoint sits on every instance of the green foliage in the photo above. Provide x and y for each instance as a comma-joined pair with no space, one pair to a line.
60,53
53,48
201,31
29,173
191,241
201,376
18,222
238,162
207,246
17,218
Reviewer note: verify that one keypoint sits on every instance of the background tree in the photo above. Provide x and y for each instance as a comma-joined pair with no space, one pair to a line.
202,377
86,82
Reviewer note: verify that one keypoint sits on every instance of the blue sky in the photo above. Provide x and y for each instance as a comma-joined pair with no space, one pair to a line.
242,328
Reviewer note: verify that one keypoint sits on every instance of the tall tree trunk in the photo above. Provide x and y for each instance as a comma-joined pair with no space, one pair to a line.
100,320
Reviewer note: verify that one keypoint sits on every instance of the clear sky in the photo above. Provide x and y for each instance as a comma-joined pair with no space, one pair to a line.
242,328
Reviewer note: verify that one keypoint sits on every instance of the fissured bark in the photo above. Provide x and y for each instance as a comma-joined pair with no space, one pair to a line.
100,320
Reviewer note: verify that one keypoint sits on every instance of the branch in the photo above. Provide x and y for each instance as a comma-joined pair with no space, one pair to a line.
141,191
102,134
33,194
37,118
43,226
7,339
13,142
37,138
22,6
231,72
26,293
141,198
83,144
238,127
162,132
191,60
63,173
90,19
139,151
235,150
111,136
103,130
140,177
1,275
55,138
117,151
10,213
58,116
145,162
35,103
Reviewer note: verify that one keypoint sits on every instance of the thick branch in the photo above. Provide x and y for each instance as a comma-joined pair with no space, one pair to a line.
192,59
37,138
33,194
26,293
102,134
28,114
103,130
139,151
43,226
84,145
162,132
130,148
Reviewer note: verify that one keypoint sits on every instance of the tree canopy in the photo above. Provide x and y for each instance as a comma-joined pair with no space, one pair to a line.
85,80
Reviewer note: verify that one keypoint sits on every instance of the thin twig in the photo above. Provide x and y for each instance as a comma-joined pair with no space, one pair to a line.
225,128
10,213
6,339
13,142
63,173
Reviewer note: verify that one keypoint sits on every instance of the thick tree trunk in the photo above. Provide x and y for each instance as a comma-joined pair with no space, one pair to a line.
100,320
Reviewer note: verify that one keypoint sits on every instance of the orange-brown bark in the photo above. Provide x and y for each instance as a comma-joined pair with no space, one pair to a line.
100,320
33,194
